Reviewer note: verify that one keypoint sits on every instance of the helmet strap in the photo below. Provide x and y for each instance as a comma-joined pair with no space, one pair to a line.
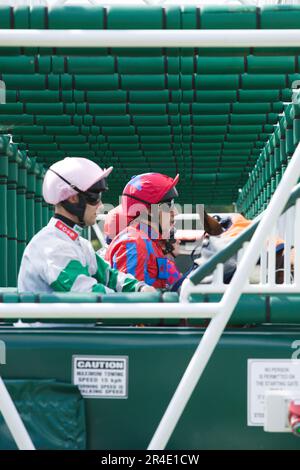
169,243
76,208
169,247
136,198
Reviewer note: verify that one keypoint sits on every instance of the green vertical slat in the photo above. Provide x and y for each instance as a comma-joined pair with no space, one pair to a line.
3,199
12,151
12,234
38,200
45,214
3,218
3,255
30,194
45,206
21,206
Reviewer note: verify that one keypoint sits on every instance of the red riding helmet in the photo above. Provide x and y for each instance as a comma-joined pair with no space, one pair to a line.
146,189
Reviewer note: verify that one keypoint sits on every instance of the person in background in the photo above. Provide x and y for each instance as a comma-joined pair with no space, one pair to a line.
115,222
58,259
234,224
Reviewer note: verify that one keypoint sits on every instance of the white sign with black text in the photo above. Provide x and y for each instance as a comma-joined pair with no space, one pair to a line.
101,376
269,374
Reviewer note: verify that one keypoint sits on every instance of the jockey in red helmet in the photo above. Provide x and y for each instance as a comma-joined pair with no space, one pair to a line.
146,216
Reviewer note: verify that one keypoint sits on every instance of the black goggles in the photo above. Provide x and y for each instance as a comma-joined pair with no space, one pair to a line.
92,198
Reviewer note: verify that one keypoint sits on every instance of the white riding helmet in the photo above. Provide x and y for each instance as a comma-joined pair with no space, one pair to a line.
64,176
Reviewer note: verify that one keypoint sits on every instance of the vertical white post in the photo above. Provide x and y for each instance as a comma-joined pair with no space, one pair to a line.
289,223
245,245
271,258
89,232
297,245
218,275
99,235
13,420
263,266
240,254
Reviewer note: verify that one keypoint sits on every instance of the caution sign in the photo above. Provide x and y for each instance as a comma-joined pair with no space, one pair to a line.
269,374
101,376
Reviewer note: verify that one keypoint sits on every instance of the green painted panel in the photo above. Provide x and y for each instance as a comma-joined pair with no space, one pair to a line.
44,96
212,65
3,254
91,17
3,230
135,18
173,17
276,64
280,16
115,96
15,65
95,82
38,15
141,82
154,381
21,17
216,96
226,17
91,65
141,65
33,82
217,82
5,17
44,108
253,81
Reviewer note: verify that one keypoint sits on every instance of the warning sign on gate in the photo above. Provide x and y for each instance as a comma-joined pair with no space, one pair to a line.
265,375
101,376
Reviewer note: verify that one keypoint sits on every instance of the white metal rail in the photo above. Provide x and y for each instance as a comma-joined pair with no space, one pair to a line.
150,38
105,310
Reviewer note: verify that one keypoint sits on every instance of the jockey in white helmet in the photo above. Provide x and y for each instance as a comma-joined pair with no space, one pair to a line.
58,259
